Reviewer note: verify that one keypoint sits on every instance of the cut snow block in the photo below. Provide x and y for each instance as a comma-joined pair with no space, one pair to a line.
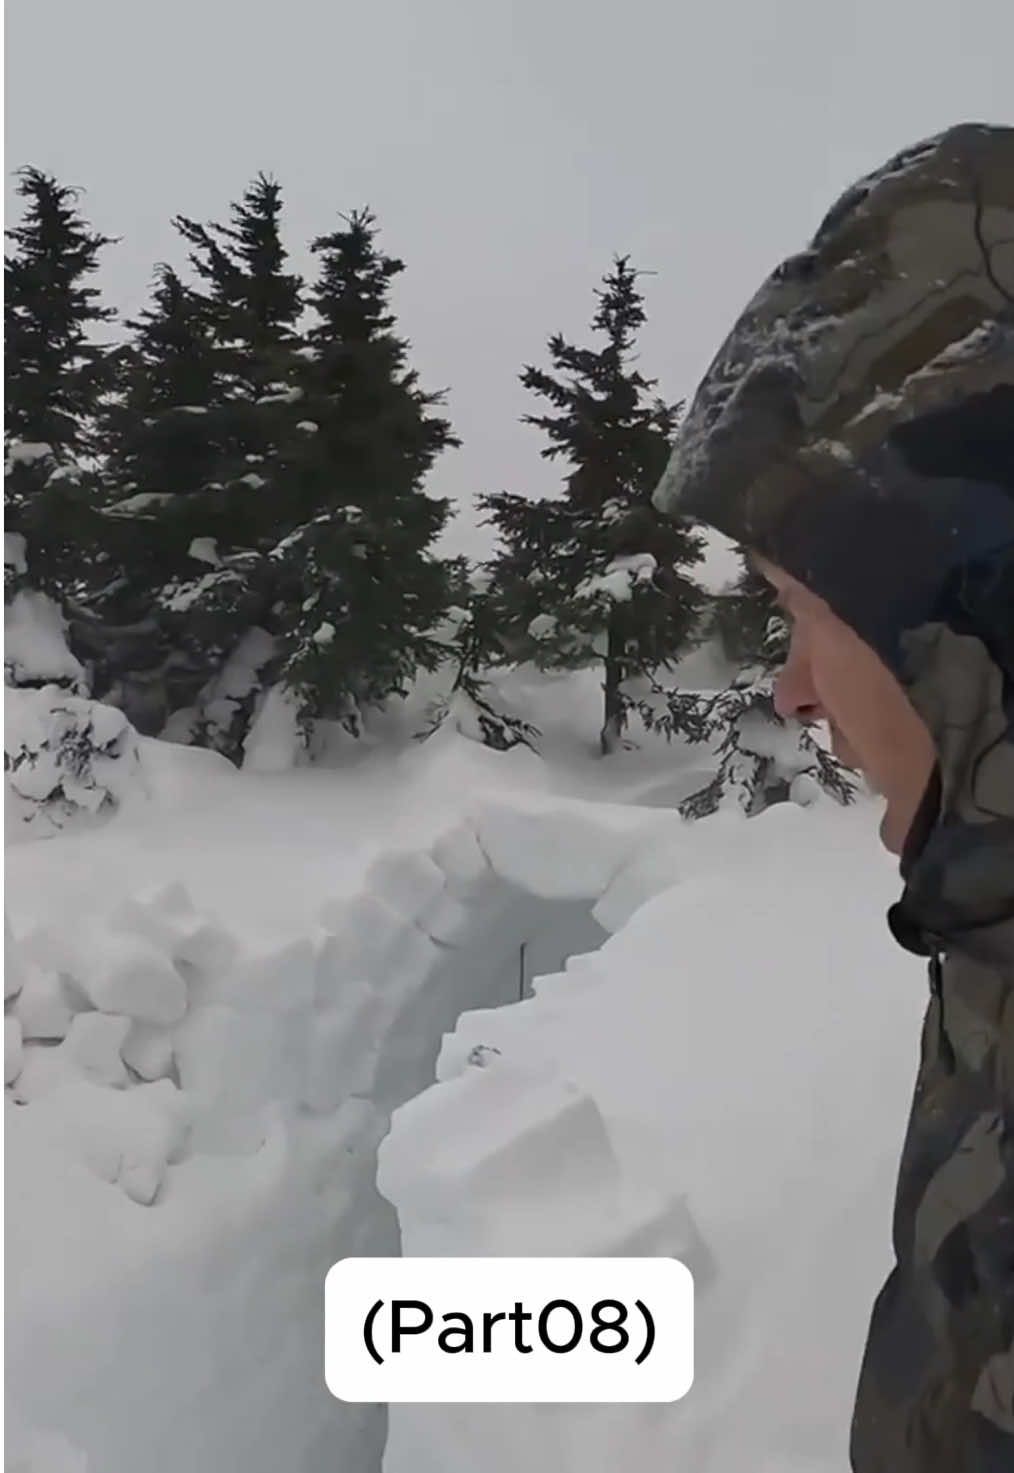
494,1139
652,1229
342,1049
364,927
490,1038
460,856
558,854
408,882
235,1060
332,914
127,974
93,1044
44,1070
14,1054
133,918
46,946
277,981
124,1139
207,947
140,1181
374,943
169,900
646,875
447,920
148,1050
179,933
458,1053
330,974
409,962
44,1006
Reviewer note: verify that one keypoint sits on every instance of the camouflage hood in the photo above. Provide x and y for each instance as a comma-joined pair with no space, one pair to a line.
857,427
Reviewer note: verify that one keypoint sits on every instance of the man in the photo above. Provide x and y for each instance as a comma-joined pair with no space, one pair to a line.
856,433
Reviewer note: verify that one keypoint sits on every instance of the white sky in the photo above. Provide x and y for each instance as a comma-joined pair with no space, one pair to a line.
508,149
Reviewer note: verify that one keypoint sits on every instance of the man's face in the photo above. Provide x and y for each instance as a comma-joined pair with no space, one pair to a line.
831,675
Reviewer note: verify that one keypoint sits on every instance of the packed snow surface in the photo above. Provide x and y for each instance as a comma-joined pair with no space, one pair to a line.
218,998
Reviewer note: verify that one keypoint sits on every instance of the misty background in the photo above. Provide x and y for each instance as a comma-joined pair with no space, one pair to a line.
508,151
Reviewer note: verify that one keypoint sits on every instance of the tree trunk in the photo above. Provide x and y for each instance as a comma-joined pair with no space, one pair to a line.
615,712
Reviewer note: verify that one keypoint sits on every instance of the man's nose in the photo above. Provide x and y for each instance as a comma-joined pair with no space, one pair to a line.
796,697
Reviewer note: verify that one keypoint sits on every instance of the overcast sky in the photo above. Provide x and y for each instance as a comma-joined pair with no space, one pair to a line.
508,149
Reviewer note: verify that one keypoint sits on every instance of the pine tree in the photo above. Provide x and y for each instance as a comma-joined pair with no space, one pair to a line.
252,305
746,621
598,574
470,702
192,500
56,375
355,566
762,759
165,517
211,398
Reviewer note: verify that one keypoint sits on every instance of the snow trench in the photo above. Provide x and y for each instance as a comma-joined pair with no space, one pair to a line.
194,1127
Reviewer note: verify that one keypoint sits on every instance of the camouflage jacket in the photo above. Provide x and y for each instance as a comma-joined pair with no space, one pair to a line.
857,427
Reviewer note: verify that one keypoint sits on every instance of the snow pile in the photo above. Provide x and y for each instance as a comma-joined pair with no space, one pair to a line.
194,1125
275,740
226,702
690,1089
35,636
201,1078
25,452
619,579
205,550
15,552
65,757
174,1207
144,503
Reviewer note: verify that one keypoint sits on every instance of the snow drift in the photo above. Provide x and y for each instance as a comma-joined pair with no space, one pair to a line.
714,1063
724,1081
190,1109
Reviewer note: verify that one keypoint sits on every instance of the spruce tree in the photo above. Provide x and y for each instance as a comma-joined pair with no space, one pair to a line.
761,759
55,378
471,702
193,501
212,398
355,567
252,305
164,516
598,574
746,621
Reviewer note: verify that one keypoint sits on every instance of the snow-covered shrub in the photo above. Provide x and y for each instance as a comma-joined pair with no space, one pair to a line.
471,709
15,564
761,758
470,703
35,640
226,705
276,740
65,756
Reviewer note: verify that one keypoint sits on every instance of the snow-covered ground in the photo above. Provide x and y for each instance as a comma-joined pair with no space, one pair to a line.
228,988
